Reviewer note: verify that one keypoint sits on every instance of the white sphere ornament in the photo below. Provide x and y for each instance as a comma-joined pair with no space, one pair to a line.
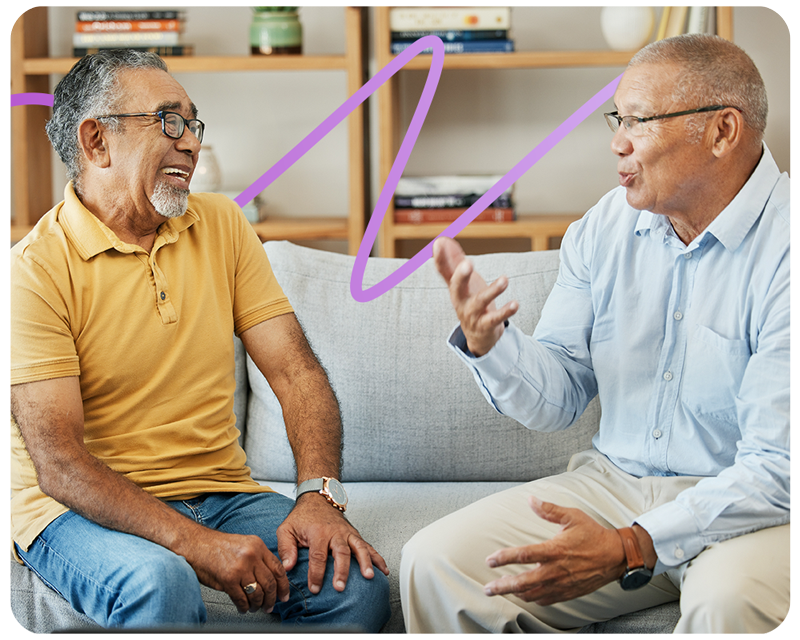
627,28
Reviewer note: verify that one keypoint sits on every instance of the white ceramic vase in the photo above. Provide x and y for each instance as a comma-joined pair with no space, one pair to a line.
627,28
207,175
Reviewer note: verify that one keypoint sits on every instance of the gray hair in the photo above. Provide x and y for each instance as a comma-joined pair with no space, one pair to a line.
714,71
90,90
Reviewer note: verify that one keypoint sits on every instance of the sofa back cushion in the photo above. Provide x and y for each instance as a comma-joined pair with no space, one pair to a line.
411,411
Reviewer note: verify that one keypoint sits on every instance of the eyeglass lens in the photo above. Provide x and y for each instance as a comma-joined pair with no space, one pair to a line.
174,125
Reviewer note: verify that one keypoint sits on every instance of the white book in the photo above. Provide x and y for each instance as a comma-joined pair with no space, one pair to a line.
435,18
127,39
446,185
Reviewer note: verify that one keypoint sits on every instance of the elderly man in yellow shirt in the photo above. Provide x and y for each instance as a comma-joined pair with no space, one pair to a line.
129,484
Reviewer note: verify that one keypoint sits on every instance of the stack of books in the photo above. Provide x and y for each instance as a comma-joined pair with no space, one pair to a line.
445,198
679,20
157,31
462,29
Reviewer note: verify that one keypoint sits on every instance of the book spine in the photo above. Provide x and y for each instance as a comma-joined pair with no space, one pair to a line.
469,46
696,22
141,38
451,35
422,216
415,18
127,26
443,202
91,16
180,50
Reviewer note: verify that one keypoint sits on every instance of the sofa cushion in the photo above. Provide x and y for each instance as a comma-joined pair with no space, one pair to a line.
411,411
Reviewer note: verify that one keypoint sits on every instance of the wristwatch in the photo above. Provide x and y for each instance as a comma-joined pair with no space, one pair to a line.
331,488
637,574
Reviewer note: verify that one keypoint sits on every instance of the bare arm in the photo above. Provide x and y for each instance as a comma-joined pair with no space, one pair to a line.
313,425
50,417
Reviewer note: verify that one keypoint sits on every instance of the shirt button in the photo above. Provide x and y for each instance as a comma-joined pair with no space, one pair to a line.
657,433
677,315
668,376
688,256
679,553
163,295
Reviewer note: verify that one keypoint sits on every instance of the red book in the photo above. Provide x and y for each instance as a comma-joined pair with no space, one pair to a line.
122,26
421,216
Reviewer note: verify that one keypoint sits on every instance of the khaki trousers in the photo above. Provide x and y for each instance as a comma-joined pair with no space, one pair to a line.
737,586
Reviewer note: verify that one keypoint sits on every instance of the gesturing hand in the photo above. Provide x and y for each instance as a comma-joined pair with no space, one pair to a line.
473,300
580,559
322,528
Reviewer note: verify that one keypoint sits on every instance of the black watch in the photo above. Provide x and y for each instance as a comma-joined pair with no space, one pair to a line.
637,574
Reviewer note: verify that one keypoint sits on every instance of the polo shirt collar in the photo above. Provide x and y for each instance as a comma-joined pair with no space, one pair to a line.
91,237
735,221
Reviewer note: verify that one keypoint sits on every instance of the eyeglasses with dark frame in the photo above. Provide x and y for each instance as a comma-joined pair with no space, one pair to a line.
614,120
172,124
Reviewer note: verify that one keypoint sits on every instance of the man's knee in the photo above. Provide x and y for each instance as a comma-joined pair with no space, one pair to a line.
161,591
738,586
369,598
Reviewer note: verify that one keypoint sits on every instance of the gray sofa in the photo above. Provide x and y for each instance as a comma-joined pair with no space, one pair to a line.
420,441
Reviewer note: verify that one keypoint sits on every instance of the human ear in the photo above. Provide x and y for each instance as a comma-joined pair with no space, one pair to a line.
93,143
728,131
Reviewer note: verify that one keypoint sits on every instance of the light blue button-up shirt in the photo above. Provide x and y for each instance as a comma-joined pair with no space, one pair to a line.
688,349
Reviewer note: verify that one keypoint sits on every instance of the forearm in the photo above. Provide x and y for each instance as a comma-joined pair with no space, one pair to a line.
524,381
281,351
313,425
49,416
90,488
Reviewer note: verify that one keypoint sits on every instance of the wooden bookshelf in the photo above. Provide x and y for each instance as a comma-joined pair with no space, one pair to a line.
31,67
539,228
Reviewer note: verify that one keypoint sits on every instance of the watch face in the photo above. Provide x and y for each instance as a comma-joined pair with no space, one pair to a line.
635,579
337,492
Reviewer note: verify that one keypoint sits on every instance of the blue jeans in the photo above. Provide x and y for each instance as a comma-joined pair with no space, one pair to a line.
121,580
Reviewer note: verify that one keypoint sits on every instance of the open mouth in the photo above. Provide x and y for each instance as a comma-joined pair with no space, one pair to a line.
178,176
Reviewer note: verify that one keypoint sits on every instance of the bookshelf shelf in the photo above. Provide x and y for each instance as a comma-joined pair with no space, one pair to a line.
31,67
181,64
528,60
539,228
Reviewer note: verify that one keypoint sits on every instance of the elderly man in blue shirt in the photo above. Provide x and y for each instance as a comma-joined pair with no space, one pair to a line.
672,305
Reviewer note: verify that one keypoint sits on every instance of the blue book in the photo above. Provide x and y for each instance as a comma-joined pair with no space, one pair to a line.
468,46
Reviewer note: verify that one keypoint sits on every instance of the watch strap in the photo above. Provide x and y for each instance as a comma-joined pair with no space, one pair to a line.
315,484
633,554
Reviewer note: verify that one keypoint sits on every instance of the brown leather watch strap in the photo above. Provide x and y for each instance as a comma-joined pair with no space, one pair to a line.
633,553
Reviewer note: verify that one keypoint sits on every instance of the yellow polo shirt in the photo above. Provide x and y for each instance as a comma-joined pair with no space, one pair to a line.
150,337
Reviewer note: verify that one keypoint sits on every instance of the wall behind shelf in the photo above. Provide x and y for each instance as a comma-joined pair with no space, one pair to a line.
485,121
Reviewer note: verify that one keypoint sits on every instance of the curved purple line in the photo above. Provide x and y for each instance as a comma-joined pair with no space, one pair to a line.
470,214
336,117
20,99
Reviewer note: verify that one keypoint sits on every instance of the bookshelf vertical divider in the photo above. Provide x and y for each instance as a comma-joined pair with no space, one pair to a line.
538,228
31,163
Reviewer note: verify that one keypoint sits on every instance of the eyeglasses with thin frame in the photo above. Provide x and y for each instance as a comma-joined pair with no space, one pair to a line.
634,124
172,124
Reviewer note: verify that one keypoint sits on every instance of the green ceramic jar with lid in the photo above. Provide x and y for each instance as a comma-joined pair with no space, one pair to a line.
275,30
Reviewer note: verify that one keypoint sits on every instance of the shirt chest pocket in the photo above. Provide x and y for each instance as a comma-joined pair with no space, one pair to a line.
715,367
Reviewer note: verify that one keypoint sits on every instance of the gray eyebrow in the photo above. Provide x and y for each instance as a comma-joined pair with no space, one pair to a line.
173,106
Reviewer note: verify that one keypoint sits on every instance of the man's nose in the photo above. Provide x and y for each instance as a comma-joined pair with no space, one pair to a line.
621,144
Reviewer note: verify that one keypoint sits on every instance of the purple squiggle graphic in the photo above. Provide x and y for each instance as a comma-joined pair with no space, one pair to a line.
356,286
429,90
43,99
